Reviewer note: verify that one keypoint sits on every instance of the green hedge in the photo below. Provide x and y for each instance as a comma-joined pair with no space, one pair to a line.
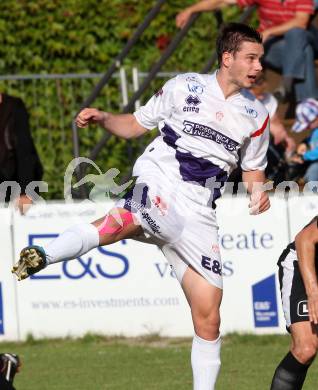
84,36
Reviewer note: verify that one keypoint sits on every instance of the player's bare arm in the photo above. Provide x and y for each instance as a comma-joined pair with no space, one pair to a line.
205,5
280,134
305,242
259,200
122,125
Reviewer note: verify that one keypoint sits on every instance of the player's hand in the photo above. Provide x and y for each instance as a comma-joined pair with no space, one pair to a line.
297,159
266,34
259,202
90,115
313,307
23,203
290,144
182,18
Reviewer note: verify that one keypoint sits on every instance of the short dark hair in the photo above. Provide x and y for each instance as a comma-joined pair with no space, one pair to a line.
231,37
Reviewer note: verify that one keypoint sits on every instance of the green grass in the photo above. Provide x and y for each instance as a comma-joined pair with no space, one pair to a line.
100,363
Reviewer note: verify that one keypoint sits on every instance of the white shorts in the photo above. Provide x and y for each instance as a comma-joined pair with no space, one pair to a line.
186,233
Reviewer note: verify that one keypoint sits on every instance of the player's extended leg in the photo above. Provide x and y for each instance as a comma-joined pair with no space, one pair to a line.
117,225
291,372
76,241
204,300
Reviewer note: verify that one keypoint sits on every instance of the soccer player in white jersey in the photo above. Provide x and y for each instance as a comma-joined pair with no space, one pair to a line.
203,120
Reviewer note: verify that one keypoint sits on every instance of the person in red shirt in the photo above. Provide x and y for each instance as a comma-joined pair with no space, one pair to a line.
287,40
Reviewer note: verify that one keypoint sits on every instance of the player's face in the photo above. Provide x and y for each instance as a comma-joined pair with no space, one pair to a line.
244,65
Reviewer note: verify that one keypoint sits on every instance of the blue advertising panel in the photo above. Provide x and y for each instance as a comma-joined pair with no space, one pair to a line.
1,312
265,303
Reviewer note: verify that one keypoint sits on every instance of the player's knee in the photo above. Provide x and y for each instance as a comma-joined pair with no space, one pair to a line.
207,325
306,352
295,33
113,225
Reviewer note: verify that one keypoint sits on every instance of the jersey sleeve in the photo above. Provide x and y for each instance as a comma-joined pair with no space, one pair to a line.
254,150
158,108
272,105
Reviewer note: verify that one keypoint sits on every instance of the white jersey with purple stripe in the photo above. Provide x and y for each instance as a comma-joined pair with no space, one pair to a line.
201,132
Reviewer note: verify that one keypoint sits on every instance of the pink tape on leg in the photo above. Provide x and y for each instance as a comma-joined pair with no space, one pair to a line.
121,220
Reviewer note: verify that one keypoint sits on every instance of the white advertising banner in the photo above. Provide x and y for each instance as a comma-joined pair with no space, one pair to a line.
8,302
250,246
127,288
301,210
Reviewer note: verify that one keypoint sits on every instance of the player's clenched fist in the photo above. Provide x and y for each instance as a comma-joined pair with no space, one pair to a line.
90,115
259,202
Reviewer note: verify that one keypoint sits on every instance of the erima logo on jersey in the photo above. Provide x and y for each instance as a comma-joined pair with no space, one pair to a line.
191,109
250,111
192,100
203,131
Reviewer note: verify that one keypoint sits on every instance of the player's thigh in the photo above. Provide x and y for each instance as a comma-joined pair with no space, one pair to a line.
198,249
203,297
117,225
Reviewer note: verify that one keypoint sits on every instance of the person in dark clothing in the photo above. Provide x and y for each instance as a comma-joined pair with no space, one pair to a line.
298,269
19,160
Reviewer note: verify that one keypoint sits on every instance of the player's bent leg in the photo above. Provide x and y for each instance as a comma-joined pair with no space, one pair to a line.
204,300
292,370
76,241
72,243
117,225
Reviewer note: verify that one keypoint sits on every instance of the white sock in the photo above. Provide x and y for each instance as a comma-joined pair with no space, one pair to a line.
205,361
74,242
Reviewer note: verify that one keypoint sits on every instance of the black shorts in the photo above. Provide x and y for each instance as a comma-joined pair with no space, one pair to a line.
293,293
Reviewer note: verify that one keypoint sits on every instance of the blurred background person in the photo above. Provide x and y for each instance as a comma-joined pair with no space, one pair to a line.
201,6
19,160
307,150
279,134
281,146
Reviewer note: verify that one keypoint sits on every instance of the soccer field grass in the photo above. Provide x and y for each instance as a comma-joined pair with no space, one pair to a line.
98,363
